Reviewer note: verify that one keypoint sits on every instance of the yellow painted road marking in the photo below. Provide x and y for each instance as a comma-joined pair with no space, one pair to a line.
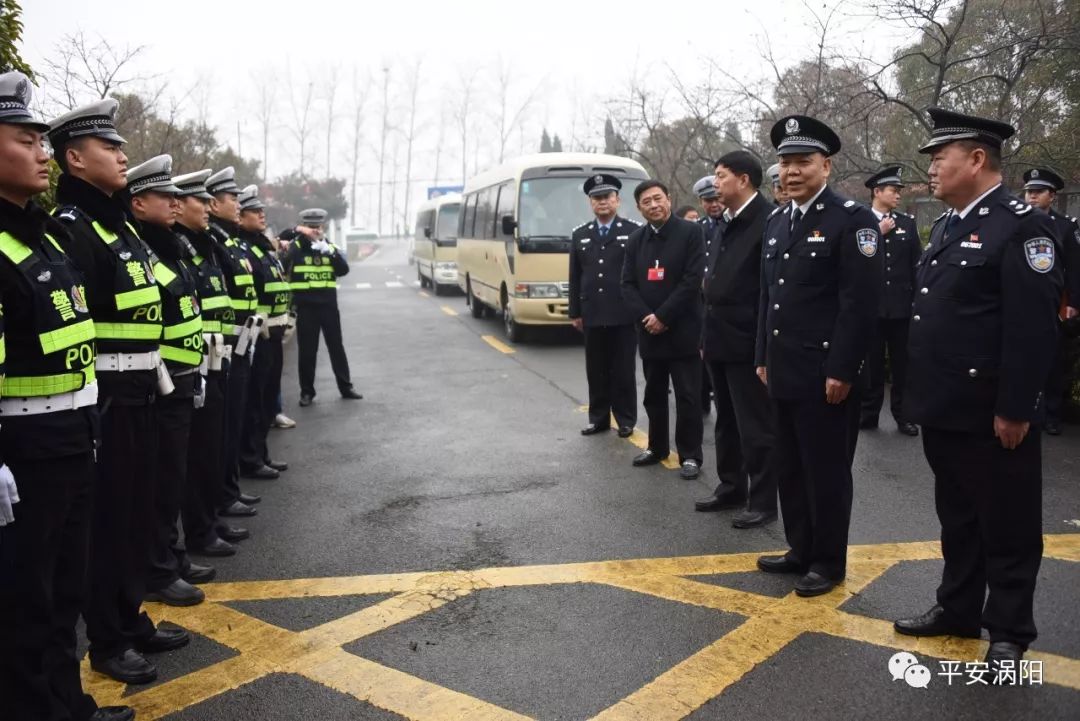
771,624
448,310
424,294
497,344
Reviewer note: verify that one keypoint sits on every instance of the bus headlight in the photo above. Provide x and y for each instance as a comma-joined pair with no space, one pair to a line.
547,291
448,265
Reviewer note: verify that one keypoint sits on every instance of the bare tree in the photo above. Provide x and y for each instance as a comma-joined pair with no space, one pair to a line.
410,136
510,113
360,85
300,128
264,114
463,114
81,69
329,93
439,142
382,140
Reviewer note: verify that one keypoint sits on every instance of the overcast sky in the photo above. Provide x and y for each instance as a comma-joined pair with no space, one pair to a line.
573,53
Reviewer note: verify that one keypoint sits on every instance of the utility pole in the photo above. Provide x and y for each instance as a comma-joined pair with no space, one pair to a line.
382,140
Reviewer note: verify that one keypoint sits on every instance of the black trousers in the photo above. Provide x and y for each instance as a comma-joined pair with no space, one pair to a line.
813,453
174,416
312,319
1057,382
890,337
236,400
685,376
745,435
123,526
609,367
205,465
989,502
43,588
263,389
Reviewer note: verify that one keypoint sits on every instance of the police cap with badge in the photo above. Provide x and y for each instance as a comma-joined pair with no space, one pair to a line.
950,126
602,184
249,199
15,96
801,134
313,217
193,185
705,189
1043,179
96,120
889,175
155,175
223,181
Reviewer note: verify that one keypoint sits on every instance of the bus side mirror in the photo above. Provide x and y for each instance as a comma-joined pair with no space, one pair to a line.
509,225
427,232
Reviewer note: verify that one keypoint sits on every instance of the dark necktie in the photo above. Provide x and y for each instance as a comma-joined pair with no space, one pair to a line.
951,223
796,216
603,232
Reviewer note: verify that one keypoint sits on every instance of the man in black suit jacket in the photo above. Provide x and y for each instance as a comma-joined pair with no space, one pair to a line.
745,427
902,250
597,309
661,283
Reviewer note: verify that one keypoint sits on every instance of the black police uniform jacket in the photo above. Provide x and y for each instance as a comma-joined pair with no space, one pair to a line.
820,288
1069,236
984,321
596,272
902,250
733,286
679,249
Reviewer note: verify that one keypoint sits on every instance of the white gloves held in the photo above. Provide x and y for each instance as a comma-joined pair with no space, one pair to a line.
9,495
324,247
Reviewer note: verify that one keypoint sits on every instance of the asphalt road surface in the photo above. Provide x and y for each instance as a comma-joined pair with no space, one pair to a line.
451,548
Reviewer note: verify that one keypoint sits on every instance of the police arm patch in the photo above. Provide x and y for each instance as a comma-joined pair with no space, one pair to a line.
1039,253
867,239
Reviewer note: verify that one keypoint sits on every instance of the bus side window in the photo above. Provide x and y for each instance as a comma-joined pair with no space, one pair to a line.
485,214
505,205
468,217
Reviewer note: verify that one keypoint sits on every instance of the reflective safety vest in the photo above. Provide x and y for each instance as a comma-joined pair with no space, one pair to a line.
241,283
57,354
182,333
312,271
214,302
275,298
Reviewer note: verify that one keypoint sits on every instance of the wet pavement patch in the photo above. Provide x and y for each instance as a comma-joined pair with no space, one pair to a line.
551,652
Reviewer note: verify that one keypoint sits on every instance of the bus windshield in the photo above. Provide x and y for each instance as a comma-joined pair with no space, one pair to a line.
447,224
550,208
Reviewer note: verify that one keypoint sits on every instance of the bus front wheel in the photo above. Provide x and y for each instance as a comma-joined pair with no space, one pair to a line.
515,332
476,308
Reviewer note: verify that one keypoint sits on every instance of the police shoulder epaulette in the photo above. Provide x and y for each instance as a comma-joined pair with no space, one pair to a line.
1016,206
66,214
580,226
852,206
631,220
939,218
775,211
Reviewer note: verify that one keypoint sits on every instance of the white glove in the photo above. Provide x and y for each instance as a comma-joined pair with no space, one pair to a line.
9,495
323,247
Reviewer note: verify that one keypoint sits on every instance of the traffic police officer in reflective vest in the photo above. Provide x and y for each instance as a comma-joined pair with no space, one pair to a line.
242,336
314,266
153,204
820,283
597,309
274,301
206,459
48,430
983,336
1041,186
902,250
125,303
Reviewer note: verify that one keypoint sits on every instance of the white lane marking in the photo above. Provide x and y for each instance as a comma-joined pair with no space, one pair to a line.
363,286
394,284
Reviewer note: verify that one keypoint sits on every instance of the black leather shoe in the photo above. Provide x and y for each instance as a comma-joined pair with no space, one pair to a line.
690,470
1000,651
649,458
306,400
238,509
719,500
178,593
262,473
626,431
113,713
934,623
907,428
278,466
218,548
868,424
779,564
351,395
249,499
593,428
1053,428
198,574
232,534
814,584
129,667
752,519
164,639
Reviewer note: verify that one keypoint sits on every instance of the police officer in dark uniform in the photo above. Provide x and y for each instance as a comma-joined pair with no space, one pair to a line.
241,337
314,265
820,284
661,283
1041,186
153,204
713,222
206,448
125,303
597,249
983,337
48,431
274,302
902,250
